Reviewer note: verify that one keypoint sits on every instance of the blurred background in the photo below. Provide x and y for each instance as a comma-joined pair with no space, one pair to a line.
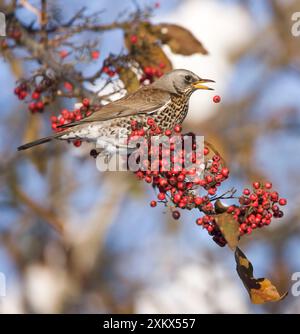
118,255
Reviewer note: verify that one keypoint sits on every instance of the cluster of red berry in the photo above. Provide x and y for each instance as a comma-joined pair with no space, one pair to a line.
36,93
109,70
177,186
21,91
208,222
67,116
257,207
151,72
187,189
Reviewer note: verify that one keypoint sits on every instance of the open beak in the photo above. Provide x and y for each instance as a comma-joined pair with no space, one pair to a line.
199,84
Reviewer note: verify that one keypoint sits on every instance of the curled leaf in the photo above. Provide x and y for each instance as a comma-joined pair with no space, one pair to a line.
180,40
220,207
229,228
261,290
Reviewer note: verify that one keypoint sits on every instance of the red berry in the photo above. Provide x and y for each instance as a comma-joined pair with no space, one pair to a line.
256,185
68,86
35,95
246,192
253,197
163,182
65,113
148,70
95,54
199,221
133,123
63,54
40,105
150,121
176,214
225,172
177,198
282,201
153,204
86,102
217,99
148,179
105,69
212,191
231,209
198,200
77,143
177,128
268,185
180,177
206,151
133,39
31,106
161,196
274,196
22,94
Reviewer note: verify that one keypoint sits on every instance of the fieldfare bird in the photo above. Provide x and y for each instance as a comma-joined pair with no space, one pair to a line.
166,101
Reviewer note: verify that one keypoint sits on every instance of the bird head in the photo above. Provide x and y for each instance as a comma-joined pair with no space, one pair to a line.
181,82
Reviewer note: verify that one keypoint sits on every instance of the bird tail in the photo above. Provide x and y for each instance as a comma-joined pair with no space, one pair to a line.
38,142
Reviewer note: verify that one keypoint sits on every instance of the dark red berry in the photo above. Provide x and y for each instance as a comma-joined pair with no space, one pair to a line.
176,214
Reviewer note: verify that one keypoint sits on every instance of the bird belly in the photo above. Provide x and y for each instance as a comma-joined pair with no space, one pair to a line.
106,136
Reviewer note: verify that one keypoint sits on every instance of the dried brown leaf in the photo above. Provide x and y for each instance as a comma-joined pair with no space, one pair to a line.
180,39
229,228
261,290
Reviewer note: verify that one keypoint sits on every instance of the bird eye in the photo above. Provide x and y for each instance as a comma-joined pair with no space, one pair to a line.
188,78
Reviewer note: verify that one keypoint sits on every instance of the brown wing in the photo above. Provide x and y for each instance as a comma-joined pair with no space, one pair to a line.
143,101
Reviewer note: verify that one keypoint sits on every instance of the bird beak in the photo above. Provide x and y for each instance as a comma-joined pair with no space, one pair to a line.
199,84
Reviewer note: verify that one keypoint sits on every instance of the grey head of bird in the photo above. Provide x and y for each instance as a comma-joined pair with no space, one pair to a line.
180,82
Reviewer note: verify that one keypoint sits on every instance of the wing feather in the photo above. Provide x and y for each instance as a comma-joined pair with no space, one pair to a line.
143,101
